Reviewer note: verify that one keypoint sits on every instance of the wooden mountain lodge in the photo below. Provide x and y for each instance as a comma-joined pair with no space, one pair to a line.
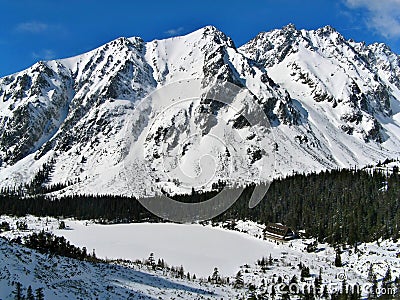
279,232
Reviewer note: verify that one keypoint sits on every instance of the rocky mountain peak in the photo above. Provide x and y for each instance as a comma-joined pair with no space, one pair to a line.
289,28
331,103
328,29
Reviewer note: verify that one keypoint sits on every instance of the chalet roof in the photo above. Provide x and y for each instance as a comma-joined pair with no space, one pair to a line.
278,229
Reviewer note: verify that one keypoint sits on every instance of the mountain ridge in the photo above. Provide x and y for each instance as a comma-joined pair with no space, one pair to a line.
331,103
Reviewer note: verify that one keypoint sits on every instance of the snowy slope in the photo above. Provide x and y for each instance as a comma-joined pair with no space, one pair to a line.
179,244
132,117
65,278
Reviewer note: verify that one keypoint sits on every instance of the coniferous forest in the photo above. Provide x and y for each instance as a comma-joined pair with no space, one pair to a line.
337,206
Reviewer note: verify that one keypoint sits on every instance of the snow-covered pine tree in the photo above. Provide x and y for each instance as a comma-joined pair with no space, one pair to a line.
387,285
181,272
29,294
370,273
239,282
18,291
151,262
39,294
325,294
373,291
215,278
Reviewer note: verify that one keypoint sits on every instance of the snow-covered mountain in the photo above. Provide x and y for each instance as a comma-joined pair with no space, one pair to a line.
121,118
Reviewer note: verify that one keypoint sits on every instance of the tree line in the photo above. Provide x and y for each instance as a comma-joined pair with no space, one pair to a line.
336,206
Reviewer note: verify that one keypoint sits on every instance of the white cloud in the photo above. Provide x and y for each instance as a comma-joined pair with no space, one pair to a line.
46,54
32,27
174,31
382,15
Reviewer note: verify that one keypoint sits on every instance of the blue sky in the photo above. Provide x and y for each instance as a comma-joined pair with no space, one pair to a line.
42,30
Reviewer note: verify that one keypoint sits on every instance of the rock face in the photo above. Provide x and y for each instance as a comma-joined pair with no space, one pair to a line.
99,123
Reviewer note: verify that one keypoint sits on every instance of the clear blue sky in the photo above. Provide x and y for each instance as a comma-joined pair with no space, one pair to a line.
41,30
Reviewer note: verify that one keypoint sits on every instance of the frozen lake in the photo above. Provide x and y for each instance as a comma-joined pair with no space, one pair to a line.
198,248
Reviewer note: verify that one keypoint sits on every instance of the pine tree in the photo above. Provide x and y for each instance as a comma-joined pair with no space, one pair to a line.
263,282
151,260
252,295
374,288
312,292
325,293
39,294
61,225
388,275
239,282
338,259
356,293
344,289
273,292
29,294
317,285
306,294
294,279
161,263
370,273
387,284
18,291
181,272
305,272
215,276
